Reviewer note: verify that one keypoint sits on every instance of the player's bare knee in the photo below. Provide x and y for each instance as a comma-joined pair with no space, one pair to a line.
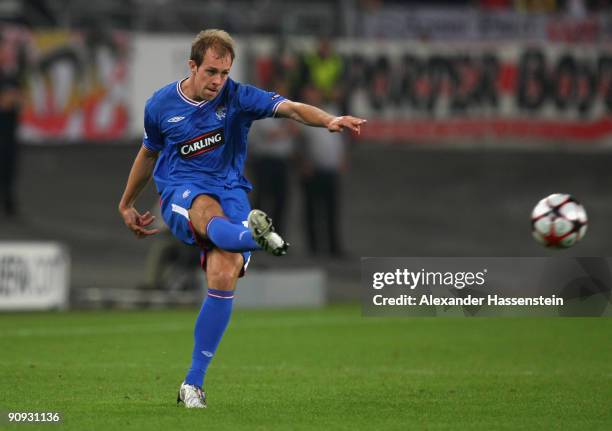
221,280
223,271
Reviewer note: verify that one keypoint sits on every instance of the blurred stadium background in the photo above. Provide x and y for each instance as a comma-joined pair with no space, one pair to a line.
476,110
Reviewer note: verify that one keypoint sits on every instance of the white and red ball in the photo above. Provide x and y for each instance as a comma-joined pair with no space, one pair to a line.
558,221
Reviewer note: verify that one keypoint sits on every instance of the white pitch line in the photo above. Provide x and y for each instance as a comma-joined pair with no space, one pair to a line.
399,370
243,324
90,330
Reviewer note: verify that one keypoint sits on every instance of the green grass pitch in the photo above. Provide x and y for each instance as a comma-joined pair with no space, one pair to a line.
310,369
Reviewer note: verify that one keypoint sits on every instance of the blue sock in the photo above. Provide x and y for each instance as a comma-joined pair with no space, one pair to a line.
229,236
209,328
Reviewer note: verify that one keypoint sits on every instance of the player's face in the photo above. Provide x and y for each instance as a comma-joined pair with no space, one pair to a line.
210,77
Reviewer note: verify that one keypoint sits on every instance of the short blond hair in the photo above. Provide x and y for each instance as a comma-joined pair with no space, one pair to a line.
219,40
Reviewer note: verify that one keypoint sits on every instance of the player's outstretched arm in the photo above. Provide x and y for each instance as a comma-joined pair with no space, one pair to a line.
140,174
313,116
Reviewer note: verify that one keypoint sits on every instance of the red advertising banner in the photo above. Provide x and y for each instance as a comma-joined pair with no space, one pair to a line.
420,130
75,86
445,92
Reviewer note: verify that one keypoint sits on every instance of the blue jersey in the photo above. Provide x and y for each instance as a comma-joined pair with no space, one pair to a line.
204,142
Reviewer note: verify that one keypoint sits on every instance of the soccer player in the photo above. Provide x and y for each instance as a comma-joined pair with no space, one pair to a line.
195,145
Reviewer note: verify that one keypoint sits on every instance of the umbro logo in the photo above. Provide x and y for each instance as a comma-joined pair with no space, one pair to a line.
175,119
186,193
207,353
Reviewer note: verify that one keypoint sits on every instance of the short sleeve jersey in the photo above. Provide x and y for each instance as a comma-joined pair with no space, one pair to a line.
204,142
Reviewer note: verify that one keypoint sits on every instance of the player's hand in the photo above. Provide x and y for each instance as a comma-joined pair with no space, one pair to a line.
338,124
137,223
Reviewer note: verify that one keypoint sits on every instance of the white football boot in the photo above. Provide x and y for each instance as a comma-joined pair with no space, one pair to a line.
192,396
263,233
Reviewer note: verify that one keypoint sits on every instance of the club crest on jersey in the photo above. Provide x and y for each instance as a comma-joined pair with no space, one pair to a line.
220,113
202,144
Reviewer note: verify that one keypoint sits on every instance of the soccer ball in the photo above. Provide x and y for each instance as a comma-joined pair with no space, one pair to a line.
558,221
